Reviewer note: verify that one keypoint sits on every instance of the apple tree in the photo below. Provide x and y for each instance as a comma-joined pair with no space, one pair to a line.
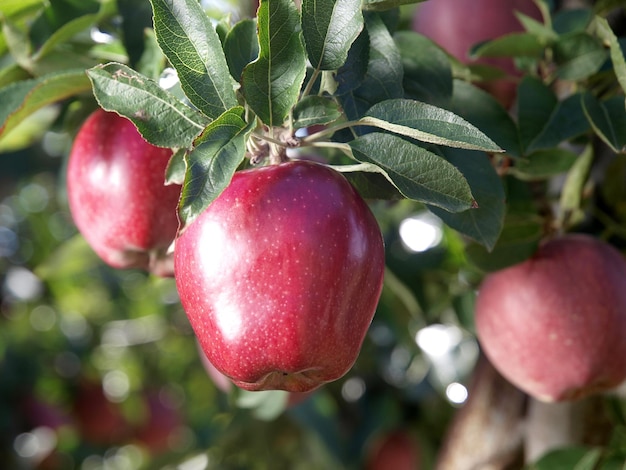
245,234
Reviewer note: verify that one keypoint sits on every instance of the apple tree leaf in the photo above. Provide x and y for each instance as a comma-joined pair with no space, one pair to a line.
427,70
161,118
211,165
21,99
241,46
566,121
518,240
536,103
329,28
383,74
576,457
578,56
13,8
191,44
487,114
417,173
572,192
617,54
427,123
543,164
510,45
608,120
383,5
271,84
313,110
483,223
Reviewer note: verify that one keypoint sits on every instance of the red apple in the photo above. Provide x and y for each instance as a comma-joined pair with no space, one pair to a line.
163,419
117,195
397,450
99,421
224,384
280,276
555,325
457,25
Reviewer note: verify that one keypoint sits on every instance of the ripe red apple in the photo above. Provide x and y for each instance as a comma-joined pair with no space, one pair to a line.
555,325
457,25
397,450
280,276
224,384
117,195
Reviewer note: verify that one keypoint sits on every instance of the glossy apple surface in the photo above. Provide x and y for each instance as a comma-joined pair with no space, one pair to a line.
458,25
555,325
117,196
281,275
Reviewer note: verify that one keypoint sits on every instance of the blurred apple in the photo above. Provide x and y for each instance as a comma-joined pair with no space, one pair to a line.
163,418
555,325
458,25
394,450
99,421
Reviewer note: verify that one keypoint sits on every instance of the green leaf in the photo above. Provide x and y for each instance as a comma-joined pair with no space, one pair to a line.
65,33
487,114
484,223
578,56
384,75
536,103
567,121
192,46
15,8
572,192
176,168
383,5
511,45
518,241
617,54
329,28
544,164
427,123
271,84
314,110
569,458
427,71
350,76
241,46
370,182
608,120
160,117
574,20
417,173
211,165
544,32
21,99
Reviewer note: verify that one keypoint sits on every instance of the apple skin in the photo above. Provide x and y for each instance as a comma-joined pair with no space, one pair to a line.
458,25
555,325
117,196
280,276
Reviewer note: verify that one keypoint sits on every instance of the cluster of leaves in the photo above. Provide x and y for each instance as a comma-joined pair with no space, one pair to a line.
403,111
